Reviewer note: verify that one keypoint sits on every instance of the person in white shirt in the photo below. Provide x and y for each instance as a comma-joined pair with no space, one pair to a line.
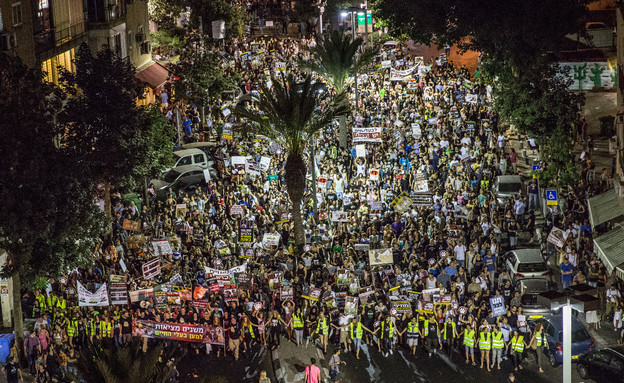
460,254
613,298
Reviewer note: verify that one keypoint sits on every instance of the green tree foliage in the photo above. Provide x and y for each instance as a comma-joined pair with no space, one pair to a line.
49,219
335,58
516,30
164,12
128,364
291,112
202,79
113,139
541,106
168,40
235,17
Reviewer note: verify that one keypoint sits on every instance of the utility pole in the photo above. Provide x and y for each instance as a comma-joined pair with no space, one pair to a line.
355,75
366,22
321,10
567,342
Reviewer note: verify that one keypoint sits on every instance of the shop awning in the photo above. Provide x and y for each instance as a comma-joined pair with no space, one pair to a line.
605,207
154,75
610,249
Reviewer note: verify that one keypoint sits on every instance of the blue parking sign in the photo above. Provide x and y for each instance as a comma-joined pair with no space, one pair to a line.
498,306
551,198
536,168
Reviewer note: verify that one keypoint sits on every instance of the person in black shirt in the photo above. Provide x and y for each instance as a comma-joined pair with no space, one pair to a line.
235,334
507,292
12,372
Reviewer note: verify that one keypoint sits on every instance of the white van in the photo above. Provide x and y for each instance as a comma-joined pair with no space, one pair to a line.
192,157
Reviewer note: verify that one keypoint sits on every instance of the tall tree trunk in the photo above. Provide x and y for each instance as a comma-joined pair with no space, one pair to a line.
343,132
295,185
18,320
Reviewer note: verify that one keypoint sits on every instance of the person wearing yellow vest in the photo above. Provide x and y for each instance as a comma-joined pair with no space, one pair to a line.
540,341
322,328
387,335
357,332
298,323
106,331
449,335
72,330
485,345
517,345
498,343
469,341
412,334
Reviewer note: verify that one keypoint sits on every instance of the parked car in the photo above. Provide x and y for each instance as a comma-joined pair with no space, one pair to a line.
180,178
526,263
582,342
532,288
193,156
506,187
606,365
205,146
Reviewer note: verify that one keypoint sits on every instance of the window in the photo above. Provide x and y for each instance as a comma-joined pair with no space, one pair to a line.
17,14
1,25
117,44
184,161
198,158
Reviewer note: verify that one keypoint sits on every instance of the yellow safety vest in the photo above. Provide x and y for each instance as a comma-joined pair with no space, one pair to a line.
323,326
297,321
484,342
412,330
105,329
358,331
72,328
469,338
541,339
517,344
497,340
452,332
390,333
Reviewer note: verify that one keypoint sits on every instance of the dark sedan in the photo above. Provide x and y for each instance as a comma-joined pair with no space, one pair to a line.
606,365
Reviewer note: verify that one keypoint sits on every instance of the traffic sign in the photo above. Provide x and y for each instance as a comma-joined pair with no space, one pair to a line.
551,198
536,168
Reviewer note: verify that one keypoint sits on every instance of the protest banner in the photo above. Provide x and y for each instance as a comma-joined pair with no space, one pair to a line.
401,203
351,306
160,299
361,247
365,295
270,239
229,293
162,248
401,75
314,294
87,298
287,293
557,237
131,225
118,293
265,163
252,168
226,134
244,281
236,210
339,216
367,135
280,66
172,331
245,231
471,98
402,306
373,174
380,257
141,295
151,269
497,304
376,205
386,64
421,185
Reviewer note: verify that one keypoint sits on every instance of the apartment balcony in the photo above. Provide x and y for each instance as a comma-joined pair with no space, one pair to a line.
54,41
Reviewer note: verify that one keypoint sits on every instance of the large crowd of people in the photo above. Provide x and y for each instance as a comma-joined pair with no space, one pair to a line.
404,249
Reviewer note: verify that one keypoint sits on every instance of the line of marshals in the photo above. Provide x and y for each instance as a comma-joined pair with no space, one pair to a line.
495,342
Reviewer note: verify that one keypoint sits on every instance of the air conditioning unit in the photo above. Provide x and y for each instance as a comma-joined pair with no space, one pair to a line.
140,37
146,48
8,41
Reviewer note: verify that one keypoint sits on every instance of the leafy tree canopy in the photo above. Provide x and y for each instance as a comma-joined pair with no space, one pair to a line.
519,30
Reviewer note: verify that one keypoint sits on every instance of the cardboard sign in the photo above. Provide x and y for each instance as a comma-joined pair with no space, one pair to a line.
380,257
287,293
151,269
87,298
373,174
236,210
245,231
402,306
131,225
557,237
271,239
361,247
339,216
376,205
265,163
162,248
360,150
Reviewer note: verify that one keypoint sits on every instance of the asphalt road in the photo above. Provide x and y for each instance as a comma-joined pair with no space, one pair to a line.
402,367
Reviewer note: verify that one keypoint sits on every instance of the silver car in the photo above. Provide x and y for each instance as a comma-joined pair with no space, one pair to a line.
526,263
506,187
532,306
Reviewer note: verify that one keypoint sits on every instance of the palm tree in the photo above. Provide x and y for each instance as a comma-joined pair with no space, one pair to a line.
128,364
290,113
335,58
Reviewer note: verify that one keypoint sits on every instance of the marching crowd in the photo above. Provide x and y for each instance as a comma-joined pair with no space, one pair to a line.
423,194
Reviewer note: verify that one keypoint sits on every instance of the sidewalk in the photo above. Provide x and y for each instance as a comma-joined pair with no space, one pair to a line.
290,361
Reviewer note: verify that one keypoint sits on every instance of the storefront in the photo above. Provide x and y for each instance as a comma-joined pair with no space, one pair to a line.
154,76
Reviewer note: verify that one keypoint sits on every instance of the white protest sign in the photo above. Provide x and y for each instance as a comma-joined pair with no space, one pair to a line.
207,175
360,150
252,168
87,298
271,239
339,216
366,135
236,210
265,163
162,248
